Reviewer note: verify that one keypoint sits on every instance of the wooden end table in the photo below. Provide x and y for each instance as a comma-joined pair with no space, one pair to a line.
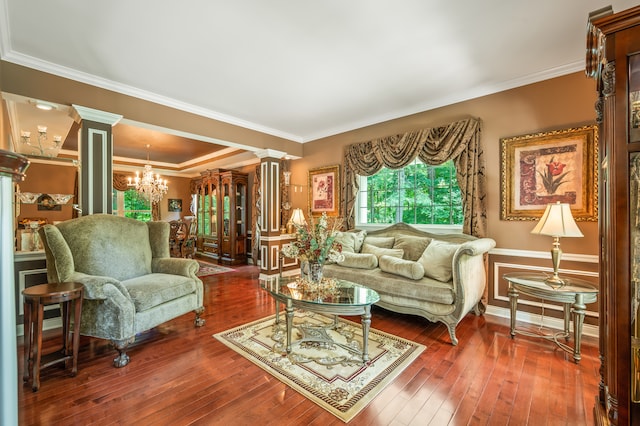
35,299
574,296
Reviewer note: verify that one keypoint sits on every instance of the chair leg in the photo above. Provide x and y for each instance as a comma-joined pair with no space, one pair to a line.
199,322
121,345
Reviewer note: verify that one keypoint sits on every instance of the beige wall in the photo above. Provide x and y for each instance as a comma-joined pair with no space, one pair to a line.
48,179
554,104
550,105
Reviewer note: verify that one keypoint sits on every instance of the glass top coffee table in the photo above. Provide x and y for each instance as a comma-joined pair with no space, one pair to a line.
344,298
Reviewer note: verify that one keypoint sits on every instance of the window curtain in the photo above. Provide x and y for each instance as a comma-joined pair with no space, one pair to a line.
458,141
121,183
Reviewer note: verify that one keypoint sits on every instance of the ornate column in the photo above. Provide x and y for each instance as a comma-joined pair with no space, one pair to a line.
271,238
270,210
95,153
12,168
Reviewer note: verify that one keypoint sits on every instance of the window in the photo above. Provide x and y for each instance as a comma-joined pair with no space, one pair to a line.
131,204
417,194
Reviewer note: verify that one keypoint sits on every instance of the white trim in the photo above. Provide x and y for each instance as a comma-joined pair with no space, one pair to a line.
280,237
270,153
274,194
585,258
535,319
22,282
275,255
263,194
263,257
51,68
79,113
27,256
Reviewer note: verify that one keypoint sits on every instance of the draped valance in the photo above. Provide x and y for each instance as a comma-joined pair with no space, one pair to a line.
458,141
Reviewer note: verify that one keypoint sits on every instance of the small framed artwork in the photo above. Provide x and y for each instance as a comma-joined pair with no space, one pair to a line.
544,168
175,204
46,202
324,191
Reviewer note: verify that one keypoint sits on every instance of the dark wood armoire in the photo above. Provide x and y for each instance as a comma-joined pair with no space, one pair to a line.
222,215
613,59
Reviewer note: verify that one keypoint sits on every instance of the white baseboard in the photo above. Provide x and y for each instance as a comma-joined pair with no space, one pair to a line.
536,320
47,324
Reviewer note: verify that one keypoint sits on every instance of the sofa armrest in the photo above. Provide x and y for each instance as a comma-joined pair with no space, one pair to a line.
476,247
469,273
175,266
98,287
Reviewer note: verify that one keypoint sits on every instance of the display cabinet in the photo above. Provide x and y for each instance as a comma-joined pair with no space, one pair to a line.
222,215
206,189
233,188
613,59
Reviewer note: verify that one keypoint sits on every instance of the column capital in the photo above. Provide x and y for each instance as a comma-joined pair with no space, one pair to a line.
79,113
270,153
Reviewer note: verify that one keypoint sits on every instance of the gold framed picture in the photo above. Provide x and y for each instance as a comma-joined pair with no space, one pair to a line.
543,168
324,191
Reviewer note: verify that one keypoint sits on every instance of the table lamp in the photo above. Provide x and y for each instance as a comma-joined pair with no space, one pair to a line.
297,218
557,221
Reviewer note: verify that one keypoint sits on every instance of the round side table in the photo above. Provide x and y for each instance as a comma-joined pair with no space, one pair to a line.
35,299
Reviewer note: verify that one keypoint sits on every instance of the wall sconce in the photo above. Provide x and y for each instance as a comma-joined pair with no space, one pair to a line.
42,147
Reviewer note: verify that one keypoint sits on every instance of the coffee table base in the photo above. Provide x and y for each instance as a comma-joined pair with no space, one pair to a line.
318,334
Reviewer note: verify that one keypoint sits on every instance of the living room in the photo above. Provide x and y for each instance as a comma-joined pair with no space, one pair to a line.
556,103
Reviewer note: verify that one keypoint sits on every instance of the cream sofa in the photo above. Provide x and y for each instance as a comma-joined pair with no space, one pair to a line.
440,277
131,284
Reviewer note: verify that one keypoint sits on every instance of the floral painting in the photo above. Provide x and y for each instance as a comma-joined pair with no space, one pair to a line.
545,168
324,191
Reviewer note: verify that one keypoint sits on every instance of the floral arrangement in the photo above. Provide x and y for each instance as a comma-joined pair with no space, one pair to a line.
316,242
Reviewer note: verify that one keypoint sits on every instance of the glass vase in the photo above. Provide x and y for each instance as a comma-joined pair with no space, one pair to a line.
315,272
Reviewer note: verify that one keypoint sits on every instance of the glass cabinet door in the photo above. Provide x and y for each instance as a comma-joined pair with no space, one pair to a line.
241,196
226,210
213,212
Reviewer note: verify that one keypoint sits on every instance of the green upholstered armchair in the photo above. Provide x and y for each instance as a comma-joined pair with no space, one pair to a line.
131,283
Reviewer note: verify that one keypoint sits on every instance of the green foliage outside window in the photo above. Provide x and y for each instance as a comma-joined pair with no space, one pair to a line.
134,205
416,194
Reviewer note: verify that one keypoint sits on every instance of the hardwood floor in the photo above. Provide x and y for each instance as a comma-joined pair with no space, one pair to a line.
181,375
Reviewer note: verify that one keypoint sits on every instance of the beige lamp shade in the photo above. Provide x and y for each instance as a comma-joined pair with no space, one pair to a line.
297,218
557,221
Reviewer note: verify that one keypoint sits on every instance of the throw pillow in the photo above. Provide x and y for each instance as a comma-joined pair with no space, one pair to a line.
358,238
383,242
379,251
359,260
347,240
437,259
413,246
402,267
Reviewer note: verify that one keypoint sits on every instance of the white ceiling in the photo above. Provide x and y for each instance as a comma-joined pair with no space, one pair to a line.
295,68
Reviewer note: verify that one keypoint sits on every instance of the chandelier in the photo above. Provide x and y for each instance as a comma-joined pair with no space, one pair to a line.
42,147
149,186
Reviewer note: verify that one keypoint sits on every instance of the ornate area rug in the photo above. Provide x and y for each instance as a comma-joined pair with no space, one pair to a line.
342,389
207,269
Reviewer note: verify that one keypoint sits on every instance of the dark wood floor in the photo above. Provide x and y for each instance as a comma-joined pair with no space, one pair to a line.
181,375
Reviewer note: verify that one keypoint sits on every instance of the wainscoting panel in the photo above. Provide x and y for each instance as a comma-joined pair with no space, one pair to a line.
537,311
